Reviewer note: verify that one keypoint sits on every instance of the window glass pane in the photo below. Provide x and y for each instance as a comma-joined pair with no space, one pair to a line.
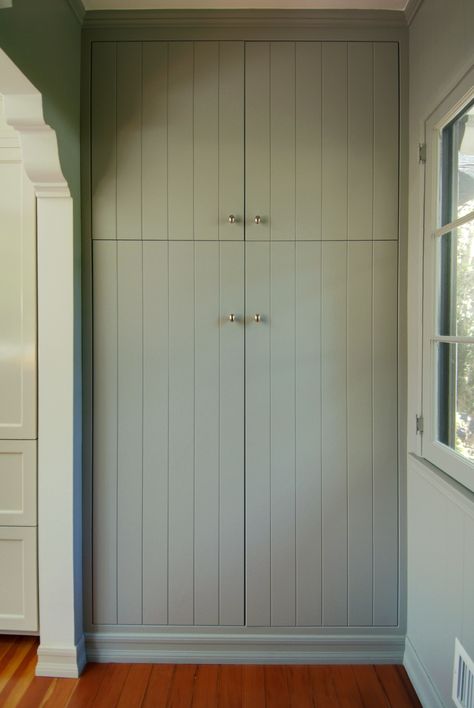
456,397
456,279
457,184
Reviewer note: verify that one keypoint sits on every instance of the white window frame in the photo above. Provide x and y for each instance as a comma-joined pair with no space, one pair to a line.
443,457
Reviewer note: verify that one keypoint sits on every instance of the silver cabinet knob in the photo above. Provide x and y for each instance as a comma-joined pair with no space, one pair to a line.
232,317
258,219
257,317
232,219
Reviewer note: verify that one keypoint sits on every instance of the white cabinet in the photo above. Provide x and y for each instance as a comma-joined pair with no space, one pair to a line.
18,390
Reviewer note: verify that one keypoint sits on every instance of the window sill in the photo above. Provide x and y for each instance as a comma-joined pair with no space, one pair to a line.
448,486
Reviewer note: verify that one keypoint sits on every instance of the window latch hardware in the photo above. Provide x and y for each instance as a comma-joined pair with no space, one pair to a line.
422,153
419,424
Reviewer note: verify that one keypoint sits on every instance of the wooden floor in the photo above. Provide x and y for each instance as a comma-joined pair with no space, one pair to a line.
202,686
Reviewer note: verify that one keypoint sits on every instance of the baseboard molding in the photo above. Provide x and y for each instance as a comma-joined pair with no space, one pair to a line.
426,691
61,662
182,648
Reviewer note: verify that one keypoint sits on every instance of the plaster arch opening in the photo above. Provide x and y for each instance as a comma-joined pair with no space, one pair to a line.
61,651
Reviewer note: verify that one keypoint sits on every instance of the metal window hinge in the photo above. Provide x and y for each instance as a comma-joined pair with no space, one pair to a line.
419,424
422,153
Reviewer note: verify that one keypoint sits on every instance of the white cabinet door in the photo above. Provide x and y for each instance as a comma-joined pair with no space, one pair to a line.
18,586
17,482
17,303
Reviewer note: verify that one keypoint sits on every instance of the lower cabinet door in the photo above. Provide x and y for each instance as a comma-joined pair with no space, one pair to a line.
18,586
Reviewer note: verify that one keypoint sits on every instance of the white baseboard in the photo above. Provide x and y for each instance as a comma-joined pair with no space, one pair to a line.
61,662
182,648
426,691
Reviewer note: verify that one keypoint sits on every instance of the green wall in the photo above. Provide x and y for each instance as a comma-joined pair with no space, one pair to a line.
43,38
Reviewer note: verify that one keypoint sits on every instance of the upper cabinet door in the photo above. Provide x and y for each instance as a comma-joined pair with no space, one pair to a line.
321,140
17,299
168,140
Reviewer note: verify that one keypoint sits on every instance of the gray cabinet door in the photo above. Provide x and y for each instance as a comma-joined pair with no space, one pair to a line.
167,140
168,519
321,434
321,140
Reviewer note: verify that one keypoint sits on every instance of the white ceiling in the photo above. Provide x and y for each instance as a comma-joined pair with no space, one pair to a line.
245,4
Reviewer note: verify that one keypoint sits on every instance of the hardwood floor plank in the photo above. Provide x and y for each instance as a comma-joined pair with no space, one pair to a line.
135,686
36,692
12,660
182,687
111,687
19,682
230,686
5,645
206,686
324,690
408,686
253,687
299,686
88,686
159,686
276,687
371,690
394,687
347,688
58,693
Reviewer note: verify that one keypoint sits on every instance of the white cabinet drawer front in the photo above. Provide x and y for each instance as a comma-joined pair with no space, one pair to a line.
18,586
18,482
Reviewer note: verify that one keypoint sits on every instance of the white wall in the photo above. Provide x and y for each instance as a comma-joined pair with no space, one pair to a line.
440,513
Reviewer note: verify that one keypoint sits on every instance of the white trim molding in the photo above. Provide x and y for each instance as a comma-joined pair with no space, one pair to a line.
59,567
212,648
65,662
426,691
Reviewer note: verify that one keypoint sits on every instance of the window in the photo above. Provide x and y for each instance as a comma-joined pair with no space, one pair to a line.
448,342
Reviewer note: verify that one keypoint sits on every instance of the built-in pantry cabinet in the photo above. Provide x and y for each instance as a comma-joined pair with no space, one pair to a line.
244,223
18,386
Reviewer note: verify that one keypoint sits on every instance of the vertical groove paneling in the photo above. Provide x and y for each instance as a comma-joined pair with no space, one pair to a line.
155,432
206,140
231,139
103,140
104,502
308,140
130,426
385,434
257,440
359,431
386,110
334,433
232,441
155,140
334,140
257,140
180,140
129,127
181,432
308,433
282,432
360,140
206,452
282,140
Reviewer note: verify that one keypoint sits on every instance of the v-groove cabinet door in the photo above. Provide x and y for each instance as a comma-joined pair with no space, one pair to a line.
245,465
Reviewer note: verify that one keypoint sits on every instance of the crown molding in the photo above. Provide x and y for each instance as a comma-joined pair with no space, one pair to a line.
411,9
99,19
78,9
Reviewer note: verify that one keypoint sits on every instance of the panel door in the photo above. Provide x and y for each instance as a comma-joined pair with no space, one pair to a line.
17,297
321,434
167,140
168,479
321,140
19,586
